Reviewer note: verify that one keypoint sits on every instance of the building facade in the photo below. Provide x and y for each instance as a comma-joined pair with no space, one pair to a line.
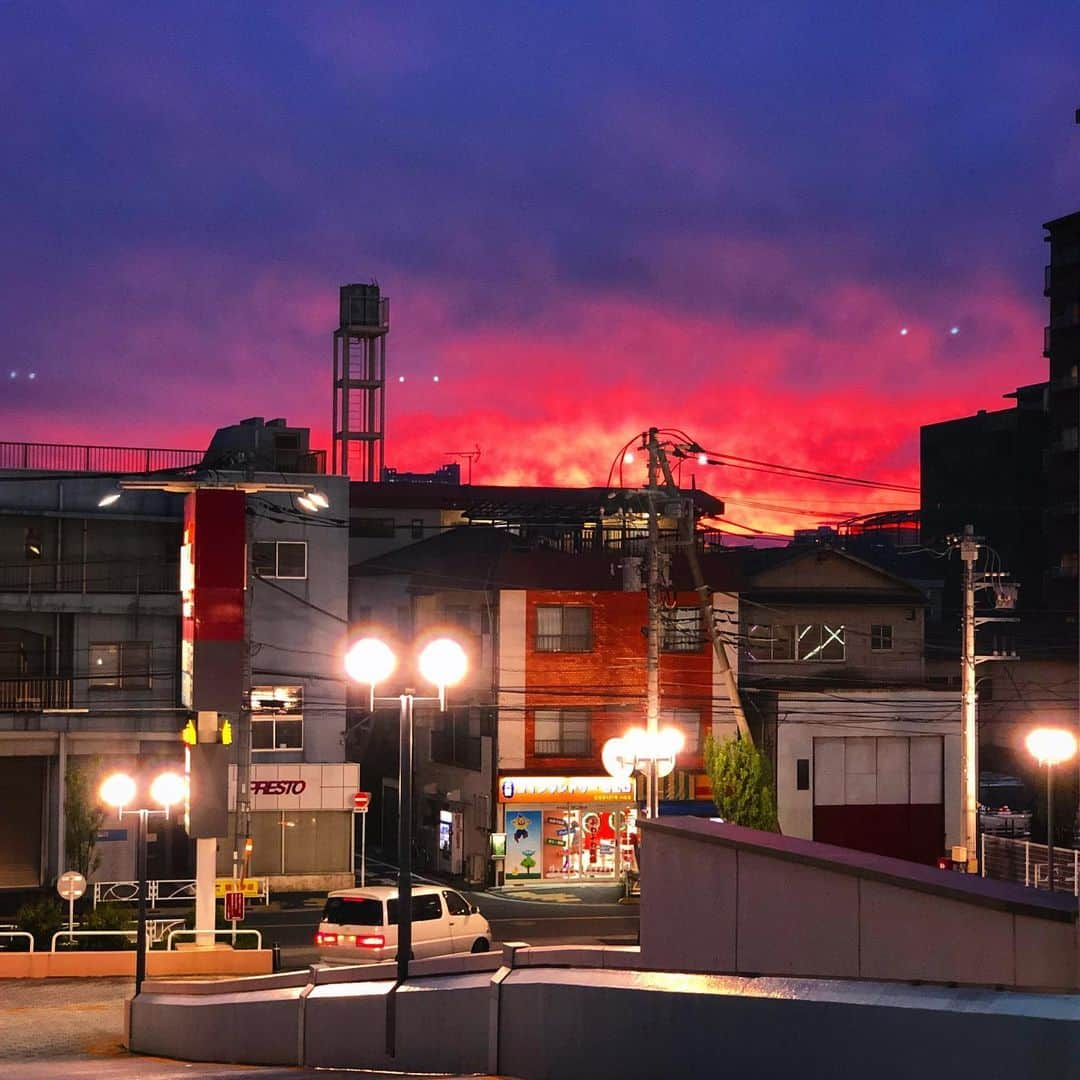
90,653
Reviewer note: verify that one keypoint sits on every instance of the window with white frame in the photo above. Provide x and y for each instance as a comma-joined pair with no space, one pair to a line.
688,722
681,630
277,717
804,642
280,559
562,733
880,637
563,628
120,665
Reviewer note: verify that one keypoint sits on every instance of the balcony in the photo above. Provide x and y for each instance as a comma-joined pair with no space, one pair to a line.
35,693
566,746
126,577
453,748
69,457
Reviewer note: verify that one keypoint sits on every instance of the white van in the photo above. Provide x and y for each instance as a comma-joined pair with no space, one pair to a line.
359,926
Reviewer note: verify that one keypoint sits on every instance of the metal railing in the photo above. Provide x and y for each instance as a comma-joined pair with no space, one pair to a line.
163,891
1026,863
19,934
216,933
33,695
70,934
141,577
70,457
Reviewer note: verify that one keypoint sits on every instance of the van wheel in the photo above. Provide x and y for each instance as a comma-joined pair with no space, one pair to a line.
480,945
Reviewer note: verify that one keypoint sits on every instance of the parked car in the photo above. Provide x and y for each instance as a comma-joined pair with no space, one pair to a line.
359,926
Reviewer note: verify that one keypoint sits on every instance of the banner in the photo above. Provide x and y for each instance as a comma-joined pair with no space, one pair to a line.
523,841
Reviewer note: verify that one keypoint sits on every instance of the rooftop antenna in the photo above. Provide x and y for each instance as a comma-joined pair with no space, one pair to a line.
469,455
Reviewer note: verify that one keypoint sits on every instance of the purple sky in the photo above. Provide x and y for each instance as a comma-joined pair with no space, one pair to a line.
590,219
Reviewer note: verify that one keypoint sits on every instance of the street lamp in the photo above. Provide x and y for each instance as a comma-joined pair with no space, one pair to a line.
652,753
1050,747
370,662
118,790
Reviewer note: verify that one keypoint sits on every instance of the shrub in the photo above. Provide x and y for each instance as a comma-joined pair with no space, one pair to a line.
107,917
42,918
739,776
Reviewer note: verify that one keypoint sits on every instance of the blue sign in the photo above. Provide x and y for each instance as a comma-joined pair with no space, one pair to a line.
105,835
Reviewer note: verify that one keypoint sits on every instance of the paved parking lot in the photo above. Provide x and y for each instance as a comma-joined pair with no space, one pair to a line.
70,1029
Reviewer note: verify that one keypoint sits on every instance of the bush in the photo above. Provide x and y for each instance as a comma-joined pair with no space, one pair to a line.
107,917
739,775
42,918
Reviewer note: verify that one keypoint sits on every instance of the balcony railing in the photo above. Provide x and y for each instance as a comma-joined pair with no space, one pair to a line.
67,457
104,576
567,746
449,748
33,694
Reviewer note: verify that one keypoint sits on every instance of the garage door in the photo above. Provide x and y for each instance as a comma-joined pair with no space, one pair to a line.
881,794
22,783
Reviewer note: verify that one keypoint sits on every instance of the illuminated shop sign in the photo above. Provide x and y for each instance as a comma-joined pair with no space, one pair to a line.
278,787
558,789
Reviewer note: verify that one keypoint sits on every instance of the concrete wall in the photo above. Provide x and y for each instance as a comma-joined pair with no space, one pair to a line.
511,741
159,964
770,905
547,1013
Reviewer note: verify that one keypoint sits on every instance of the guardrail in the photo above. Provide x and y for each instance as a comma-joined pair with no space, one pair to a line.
216,933
90,933
1026,863
163,891
19,933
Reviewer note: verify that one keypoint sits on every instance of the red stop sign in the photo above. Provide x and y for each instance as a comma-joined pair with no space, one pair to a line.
361,801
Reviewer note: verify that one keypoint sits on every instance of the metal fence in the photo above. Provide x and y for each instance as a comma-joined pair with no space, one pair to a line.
33,695
163,891
68,457
1027,864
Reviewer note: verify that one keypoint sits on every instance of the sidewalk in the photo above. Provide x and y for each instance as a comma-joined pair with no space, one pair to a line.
552,892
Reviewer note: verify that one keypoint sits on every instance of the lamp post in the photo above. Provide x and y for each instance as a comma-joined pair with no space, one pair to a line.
1050,747
442,662
118,790
650,753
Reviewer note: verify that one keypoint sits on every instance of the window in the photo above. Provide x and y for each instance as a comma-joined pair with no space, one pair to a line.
802,774
688,721
681,630
460,615
813,642
353,911
277,717
427,907
416,528
562,733
371,528
122,665
765,642
819,642
279,559
563,629
455,904
880,638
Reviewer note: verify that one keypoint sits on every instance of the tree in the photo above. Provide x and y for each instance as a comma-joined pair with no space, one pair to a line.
740,782
83,817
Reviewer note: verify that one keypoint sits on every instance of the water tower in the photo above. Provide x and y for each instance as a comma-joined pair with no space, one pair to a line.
360,382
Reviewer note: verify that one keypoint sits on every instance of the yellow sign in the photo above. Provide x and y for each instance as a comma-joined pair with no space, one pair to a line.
565,789
249,886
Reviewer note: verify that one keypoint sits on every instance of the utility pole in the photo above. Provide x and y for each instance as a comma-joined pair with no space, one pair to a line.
652,664
688,542
1004,597
969,759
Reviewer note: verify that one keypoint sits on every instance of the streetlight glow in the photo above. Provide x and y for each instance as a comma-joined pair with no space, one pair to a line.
110,498
443,662
319,499
118,790
370,661
168,789
307,503
1051,746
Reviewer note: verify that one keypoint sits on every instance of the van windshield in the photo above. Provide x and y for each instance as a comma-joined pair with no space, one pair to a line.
353,910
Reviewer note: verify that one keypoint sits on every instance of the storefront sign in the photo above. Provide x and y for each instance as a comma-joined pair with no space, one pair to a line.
278,787
565,789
